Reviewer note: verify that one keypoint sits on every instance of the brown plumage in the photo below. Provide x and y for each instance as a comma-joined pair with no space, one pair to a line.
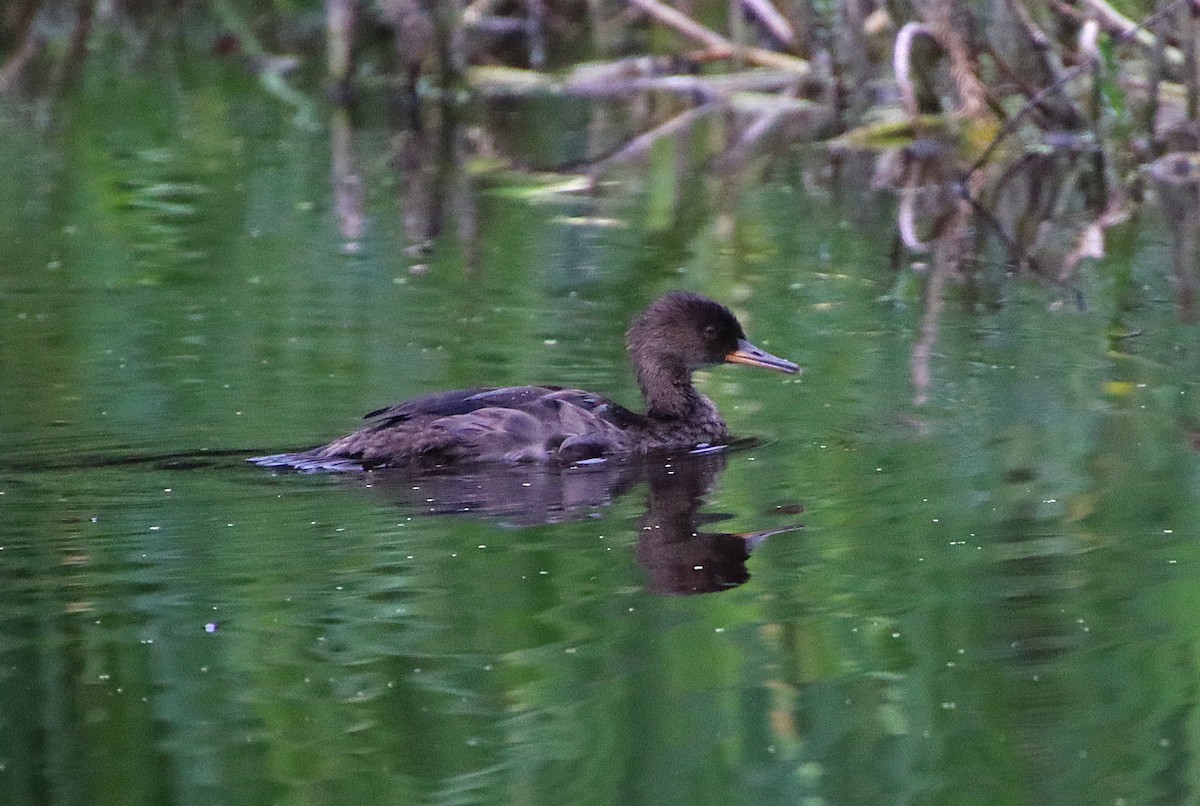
677,334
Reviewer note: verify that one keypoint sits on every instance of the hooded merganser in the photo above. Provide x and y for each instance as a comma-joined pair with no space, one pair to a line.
678,333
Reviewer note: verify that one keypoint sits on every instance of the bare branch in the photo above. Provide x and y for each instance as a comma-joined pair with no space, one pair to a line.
1117,23
772,20
717,44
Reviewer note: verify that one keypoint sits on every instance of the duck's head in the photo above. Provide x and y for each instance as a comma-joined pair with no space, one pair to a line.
680,332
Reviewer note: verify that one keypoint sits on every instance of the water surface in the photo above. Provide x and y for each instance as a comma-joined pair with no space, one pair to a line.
991,599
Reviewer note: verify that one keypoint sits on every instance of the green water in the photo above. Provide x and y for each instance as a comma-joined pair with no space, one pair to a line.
992,599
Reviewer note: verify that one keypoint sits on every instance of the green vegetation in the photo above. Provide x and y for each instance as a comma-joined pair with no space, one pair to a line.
992,599
1013,135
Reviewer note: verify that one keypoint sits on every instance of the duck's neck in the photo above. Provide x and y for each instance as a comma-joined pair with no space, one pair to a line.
669,393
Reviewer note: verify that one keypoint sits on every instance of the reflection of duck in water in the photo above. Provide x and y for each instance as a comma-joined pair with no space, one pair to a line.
678,334
678,558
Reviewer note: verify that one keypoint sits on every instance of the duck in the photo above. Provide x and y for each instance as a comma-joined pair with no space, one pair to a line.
677,334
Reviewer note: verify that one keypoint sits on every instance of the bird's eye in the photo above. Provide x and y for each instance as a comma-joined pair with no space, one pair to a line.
710,331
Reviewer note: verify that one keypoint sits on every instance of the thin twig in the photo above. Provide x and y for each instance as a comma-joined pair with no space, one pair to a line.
535,35
682,23
902,62
1118,23
772,20
972,94
605,84
716,43
1051,63
476,11
339,27
1033,103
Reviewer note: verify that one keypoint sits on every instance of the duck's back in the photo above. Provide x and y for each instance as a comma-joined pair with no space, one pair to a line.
507,424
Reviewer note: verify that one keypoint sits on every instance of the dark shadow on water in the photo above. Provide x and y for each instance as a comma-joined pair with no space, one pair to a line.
678,557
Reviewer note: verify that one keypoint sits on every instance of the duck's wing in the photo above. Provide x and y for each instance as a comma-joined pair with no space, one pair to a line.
438,404
527,399
509,424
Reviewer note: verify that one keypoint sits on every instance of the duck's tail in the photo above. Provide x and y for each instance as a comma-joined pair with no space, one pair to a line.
308,462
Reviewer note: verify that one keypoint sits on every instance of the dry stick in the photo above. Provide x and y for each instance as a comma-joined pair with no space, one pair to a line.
716,43
1112,186
902,62
339,27
448,41
972,94
605,85
1011,125
772,20
682,23
1157,72
1046,55
1160,53
1118,23
535,36
1192,80
1090,48
643,142
476,11
500,25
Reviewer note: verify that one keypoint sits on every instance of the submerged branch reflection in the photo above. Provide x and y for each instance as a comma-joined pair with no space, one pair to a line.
347,183
1041,213
1176,178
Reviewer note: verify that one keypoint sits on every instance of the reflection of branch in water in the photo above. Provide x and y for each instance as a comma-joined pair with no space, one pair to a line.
433,189
1176,177
946,256
642,143
77,49
31,45
347,184
906,220
269,68
750,141
924,174
677,556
